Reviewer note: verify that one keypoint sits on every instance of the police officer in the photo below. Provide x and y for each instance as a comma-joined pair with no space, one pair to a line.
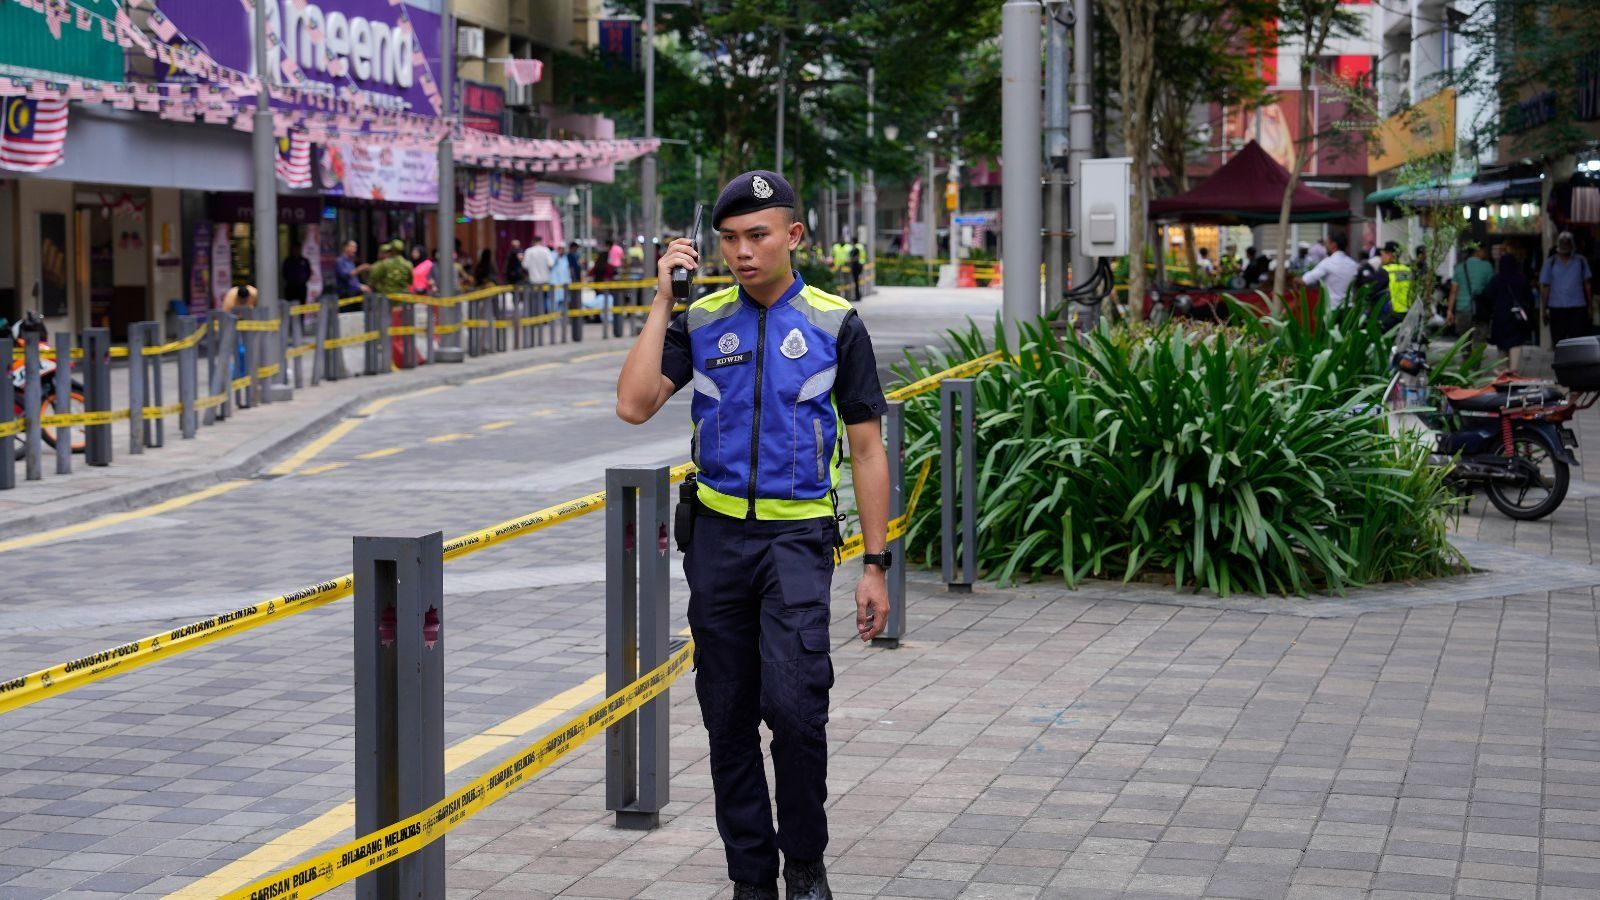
781,373
1388,282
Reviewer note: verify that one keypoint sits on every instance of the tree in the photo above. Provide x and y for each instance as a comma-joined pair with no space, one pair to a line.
1311,24
1206,57
1137,25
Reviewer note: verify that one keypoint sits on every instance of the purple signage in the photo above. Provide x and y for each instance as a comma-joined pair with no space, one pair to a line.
377,48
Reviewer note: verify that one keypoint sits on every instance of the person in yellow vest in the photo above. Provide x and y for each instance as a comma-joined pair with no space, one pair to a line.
1388,284
841,255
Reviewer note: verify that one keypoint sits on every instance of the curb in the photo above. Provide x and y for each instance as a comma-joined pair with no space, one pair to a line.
248,460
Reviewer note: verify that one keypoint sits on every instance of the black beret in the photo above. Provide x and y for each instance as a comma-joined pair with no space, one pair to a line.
749,192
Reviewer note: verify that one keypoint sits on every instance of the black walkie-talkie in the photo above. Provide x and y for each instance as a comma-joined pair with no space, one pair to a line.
681,279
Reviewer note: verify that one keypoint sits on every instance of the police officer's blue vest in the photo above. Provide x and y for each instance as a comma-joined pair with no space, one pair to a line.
766,433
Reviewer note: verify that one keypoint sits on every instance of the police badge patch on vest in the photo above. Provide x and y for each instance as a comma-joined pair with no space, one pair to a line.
728,343
794,345
731,360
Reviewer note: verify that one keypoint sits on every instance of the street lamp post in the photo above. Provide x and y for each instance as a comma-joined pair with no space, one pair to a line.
449,349
930,240
953,176
869,192
266,176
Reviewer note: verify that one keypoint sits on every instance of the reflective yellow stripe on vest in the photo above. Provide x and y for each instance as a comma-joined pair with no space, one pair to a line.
1399,287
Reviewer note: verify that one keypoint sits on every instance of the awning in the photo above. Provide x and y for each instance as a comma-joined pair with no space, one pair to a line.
1457,194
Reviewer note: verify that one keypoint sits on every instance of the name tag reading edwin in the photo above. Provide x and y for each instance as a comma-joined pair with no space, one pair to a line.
732,360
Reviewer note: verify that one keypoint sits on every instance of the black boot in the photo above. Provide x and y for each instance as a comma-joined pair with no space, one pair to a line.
750,890
806,880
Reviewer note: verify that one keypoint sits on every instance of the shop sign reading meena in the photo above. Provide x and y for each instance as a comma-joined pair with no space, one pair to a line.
323,45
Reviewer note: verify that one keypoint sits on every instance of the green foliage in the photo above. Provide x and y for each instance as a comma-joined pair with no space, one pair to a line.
818,274
1230,459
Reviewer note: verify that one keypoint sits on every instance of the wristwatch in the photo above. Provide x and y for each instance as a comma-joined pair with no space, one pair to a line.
883,560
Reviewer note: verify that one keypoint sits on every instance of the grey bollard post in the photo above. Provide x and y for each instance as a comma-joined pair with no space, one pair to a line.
637,614
322,359
248,397
136,386
950,391
155,430
32,399
227,359
382,355
279,387
296,339
575,303
188,370
399,689
895,435
607,316
61,383
97,394
8,441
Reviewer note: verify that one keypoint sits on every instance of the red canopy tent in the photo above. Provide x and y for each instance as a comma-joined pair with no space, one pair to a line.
1248,190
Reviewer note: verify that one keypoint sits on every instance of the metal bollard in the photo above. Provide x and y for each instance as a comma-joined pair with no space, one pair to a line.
575,302
32,399
188,370
136,385
155,430
607,316
637,614
248,397
949,391
399,688
227,356
382,354
8,446
296,339
278,386
322,363
61,381
97,394
895,434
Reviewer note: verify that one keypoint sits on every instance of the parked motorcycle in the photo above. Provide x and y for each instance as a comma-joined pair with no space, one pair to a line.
31,328
1512,436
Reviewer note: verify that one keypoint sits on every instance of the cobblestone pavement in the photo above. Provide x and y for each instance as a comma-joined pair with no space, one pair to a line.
1437,740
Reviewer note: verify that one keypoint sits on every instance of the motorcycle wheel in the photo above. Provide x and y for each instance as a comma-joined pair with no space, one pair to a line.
1532,501
48,406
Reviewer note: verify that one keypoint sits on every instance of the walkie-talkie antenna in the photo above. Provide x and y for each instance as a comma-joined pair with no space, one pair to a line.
681,279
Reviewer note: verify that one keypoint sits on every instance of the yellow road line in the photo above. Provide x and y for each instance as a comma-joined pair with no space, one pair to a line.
496,426
380,454
325,467
306,453
45,537
540,412
588,356
378,406
585,402
514,373
446,438
284,848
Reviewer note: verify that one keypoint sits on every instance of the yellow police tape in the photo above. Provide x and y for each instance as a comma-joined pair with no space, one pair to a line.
856,545
373,851
474,323
305,309
403,330
24,690
446,329
161,412
240,383
72,420
179,344
15,426
361,338
257,324
351,301
301,350
209,402
931,383
269,371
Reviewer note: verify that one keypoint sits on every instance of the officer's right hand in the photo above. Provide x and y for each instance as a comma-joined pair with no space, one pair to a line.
680,252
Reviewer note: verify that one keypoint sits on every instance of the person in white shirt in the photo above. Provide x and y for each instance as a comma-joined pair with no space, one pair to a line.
536,261
1334,273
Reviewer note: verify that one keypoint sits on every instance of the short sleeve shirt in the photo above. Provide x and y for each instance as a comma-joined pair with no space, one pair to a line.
1565,280
344,277
856,389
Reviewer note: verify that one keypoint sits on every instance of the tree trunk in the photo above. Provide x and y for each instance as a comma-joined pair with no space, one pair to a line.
1134,21
1303,148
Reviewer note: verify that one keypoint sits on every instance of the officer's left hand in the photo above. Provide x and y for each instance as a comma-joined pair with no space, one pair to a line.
872,604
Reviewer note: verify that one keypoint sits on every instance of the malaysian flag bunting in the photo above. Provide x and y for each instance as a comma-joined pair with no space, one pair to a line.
294,160
33,133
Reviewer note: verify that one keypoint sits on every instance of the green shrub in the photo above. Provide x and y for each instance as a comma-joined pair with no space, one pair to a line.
818,274
1230,459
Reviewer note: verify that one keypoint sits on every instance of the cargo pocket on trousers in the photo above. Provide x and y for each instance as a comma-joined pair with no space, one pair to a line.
816,675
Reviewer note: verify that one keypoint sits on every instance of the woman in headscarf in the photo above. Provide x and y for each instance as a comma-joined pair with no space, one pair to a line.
1512,297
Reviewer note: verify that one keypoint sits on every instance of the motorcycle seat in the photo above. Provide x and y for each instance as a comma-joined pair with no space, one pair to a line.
1513,396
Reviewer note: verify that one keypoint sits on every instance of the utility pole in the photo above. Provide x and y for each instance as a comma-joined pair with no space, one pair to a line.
1081,141
953,177
783,92
930,240
449,349
850,208
1021,134
1058,62
869,193
265,146
647,174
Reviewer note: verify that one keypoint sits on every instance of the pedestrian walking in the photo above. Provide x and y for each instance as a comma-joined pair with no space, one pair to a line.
759,528
516,270
484,273
422,271
1566,291
856,267
347,272
294,275
1469,299
392,274
1510,297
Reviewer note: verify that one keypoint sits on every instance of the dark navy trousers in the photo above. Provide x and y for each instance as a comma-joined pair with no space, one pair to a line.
758,609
